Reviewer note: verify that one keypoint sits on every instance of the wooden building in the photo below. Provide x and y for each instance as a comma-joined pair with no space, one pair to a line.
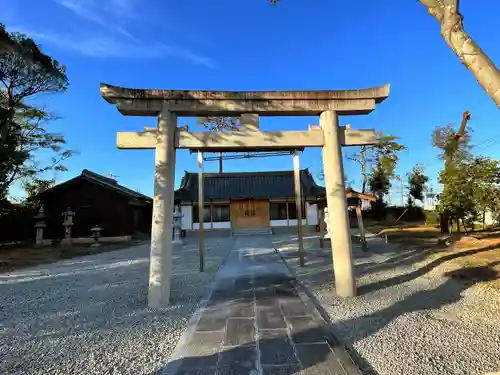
96,200
248,200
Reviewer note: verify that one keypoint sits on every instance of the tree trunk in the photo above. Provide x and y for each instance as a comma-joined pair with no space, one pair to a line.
445,224
469,53
465,228
484,220
6,118
220,162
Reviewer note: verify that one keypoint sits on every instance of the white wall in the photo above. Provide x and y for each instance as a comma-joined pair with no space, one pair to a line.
279,223
284,223
222,225
293,222
187,218
489,218
312,214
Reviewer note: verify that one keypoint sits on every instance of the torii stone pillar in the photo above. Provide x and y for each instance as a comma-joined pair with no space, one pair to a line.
163,205
339,227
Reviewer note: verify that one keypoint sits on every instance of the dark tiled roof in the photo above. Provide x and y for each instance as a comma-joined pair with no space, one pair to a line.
242,185
113,184
100,180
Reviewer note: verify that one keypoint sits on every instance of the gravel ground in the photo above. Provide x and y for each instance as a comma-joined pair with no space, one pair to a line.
409,318
88,315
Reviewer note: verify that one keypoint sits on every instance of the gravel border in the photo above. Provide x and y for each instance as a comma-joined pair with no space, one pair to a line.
88,315
409,318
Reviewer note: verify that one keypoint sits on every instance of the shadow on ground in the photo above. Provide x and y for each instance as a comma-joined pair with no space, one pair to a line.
447,293
377,271
411,259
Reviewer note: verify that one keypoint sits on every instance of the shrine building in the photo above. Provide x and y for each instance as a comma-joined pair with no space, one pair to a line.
251,202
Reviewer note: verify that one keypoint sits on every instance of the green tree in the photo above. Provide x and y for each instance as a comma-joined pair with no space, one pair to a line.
451,22
417,181
460,177
484,176
457,198
219,124
385,155
379,181
25,71
386,159
36,186
26,137
368,157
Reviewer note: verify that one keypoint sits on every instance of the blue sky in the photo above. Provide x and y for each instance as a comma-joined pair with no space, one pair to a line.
251,45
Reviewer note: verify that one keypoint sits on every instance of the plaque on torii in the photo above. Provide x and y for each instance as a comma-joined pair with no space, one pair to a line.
168,104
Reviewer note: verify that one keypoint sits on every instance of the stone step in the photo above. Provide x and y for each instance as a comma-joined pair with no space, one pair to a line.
252,231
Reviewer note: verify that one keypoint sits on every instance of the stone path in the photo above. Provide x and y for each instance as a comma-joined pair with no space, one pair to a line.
257,322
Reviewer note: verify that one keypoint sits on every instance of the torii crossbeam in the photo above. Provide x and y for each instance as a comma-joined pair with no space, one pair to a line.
168,104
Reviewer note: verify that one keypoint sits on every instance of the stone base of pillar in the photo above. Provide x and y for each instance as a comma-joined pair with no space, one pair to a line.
66,241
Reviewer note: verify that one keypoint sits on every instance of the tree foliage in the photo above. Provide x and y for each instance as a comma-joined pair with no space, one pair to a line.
19,159
219,124
485,178
379,182
383,158
456,197
470,183
34,187
384,153
25,71
417,181
37,186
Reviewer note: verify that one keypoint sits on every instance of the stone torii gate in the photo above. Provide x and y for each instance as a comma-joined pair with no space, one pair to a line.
168,104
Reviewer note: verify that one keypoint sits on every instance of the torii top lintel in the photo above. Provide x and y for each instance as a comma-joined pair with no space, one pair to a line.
148,102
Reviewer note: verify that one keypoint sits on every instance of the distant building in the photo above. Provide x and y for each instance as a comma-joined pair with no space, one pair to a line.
96,200
249,200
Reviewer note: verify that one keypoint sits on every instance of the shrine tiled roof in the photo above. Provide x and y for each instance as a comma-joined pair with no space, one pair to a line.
101,180
248,185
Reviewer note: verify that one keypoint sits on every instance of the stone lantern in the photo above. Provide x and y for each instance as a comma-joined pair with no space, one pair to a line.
40,226
68,224
177,226
96,234
327,224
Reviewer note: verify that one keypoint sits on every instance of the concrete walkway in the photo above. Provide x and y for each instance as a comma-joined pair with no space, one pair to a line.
257,322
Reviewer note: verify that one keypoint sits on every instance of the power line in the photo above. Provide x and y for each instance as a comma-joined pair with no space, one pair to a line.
248,156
